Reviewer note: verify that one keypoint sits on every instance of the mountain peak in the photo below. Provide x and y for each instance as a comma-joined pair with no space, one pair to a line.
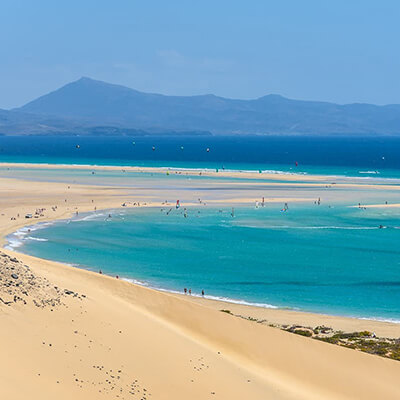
87,79
84,80
91,83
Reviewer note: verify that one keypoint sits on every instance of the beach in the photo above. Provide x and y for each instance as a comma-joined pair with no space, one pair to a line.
83,334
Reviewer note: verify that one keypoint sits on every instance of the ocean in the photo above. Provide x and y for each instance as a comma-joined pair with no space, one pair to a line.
327,155
333,260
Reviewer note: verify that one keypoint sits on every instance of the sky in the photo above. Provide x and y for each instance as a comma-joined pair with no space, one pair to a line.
341,51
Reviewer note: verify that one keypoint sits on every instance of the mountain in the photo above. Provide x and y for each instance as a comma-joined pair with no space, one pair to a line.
87,103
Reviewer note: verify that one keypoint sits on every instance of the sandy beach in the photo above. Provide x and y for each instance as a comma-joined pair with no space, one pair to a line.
70,333
293,176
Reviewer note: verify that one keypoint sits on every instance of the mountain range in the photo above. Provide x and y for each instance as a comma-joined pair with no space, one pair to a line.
91,107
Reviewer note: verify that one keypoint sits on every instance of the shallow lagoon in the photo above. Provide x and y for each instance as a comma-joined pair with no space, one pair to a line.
317,258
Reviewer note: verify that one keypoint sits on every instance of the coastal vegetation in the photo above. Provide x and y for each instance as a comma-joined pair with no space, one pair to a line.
364,341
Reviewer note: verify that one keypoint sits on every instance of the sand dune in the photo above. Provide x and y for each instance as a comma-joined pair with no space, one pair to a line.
173,347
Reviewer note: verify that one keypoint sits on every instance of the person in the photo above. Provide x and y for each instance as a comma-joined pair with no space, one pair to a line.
190,292
202,293
185,291
100,272
117,276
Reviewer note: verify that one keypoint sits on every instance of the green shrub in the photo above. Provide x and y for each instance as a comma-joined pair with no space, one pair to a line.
303,332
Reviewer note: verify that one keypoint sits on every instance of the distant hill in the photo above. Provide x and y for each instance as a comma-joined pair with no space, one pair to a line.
85,105
17,122
20,123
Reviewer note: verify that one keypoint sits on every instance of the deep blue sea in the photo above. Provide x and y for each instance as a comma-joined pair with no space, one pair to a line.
345,156
333,260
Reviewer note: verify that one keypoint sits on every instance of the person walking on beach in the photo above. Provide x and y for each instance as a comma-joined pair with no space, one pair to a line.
185,291
190,292
202,293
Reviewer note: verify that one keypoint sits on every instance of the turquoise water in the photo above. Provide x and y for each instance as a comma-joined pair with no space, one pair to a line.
323,259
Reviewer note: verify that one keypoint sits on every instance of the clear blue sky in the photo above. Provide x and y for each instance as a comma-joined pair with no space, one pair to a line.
333,50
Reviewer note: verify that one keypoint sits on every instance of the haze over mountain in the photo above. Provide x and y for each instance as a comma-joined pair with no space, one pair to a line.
88,106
